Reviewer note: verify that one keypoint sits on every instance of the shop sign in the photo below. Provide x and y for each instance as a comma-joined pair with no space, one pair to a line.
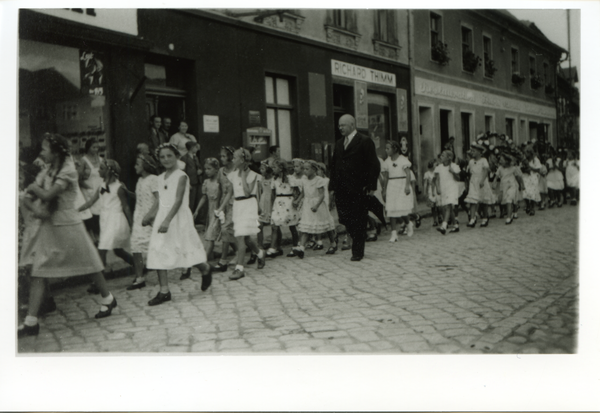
211,123
361,108
424,87
365,74
91,71
402,110
119,20
254,117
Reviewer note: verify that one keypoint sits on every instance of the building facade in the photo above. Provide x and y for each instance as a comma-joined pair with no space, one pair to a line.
243,77
477,71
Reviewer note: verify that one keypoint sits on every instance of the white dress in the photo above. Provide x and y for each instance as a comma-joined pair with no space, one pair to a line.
245,211
93,182
144,199
572,174
397,203
315,222
180,246
448,185
114,228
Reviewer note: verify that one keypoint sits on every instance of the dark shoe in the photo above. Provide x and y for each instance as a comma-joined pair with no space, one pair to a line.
484,222
26,331
300,254
532,212
435,224
136,286
103,314
371,239
442,230
418,221
560,204
492,216
206,279
93,289
574,202
318,247
472,223
346,247
509,221
310,245
186,275
454,229
252,259
261,262
356,258
292,253
47,306
331,250
378,228
220,267
236,275
273,254
160,298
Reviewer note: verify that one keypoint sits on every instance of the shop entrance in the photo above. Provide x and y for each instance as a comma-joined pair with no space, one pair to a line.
166,107
445,132
426,137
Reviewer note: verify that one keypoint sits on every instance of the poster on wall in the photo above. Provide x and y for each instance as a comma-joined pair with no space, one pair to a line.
377,130
91,69
361,108
401,104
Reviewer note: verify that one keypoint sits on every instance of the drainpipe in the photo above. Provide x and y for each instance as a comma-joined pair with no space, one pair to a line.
413,105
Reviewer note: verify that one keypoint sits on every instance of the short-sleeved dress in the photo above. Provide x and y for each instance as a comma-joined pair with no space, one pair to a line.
63,247
265,202
245,208
572,173
532,189
284,212
431,193
180,246
554,179
477,169
144,200
508,183
212,190
227,227
93,182
397,203
114,228
448,185
314,222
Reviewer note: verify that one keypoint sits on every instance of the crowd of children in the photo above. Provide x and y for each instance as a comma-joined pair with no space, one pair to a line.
241,203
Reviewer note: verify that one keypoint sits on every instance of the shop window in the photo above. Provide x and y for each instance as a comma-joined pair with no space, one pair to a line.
379,121
278,94
61,90
386,26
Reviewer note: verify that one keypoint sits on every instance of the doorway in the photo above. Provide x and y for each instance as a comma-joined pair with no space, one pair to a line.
426,139
167,107
445,133
465,123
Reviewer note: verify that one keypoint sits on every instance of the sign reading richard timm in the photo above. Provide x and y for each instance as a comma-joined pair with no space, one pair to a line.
356,72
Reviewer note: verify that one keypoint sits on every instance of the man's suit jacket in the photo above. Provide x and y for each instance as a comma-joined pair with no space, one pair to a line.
355,168
191,168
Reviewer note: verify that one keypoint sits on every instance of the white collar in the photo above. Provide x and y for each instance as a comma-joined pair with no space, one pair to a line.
352,135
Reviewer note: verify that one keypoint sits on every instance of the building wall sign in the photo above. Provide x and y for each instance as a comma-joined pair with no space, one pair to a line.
211,123
365,74
119,20
424,87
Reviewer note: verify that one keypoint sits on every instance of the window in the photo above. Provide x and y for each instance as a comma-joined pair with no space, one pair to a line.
489,123
279,113
344,19
385,23
435,23
487,57
467,39
379,121
469,61
465,123
546,74
510,127
514,60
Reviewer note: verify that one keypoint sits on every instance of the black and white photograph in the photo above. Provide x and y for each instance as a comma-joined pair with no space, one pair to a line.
312,183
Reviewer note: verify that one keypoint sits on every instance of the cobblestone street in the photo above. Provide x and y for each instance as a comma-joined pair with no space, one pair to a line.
501,289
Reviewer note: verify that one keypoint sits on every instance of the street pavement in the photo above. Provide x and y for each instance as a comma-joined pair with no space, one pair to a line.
501,289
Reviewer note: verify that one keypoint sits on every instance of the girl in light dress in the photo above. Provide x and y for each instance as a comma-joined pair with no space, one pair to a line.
295,175
399,200
226,207
447,175
90,182
174,242
284,213
315,217
63,247
211,193
531,191
146,193
430,191
265,205
115,215
480,191
510,178
245,210
572,176
555,181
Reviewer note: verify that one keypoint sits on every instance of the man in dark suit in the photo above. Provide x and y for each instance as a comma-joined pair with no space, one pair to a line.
354,171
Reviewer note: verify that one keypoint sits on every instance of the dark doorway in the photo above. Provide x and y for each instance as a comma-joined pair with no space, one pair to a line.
444,127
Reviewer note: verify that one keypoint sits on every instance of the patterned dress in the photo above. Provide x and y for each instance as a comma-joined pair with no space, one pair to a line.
144,199
477,194
283,212
212,190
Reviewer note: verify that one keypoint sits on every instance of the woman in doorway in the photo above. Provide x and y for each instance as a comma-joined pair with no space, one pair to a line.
181,138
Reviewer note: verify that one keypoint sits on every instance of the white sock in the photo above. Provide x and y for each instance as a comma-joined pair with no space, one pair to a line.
164,289
270,250
444,225
107,300
319,242
239,267
261,254
30,321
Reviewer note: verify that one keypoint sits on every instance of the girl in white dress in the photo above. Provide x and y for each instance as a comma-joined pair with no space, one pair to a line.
115,214
146,193
572,177
315,217
480,191
283,212
174,242
243,189
399,201
555,181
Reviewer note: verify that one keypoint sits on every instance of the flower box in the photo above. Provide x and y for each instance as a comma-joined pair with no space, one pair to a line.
471,61
518,79
440,54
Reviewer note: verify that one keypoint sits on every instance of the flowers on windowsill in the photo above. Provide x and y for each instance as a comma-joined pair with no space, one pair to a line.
440,54
518,79
471,61
490,68
536,82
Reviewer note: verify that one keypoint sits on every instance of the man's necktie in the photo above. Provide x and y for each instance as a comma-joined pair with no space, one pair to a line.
346,142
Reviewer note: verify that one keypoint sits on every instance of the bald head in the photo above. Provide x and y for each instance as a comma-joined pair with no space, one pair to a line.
347,125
